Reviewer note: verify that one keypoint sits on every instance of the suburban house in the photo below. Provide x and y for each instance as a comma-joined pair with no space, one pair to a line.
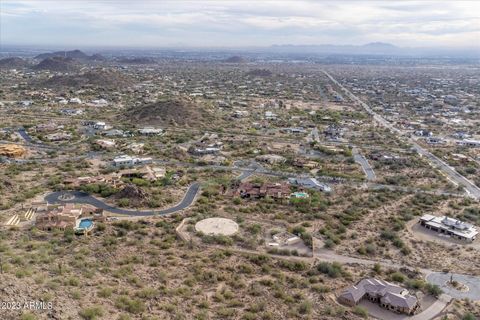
203,151
59,136
386,294
386,157
105,143
47,127
469,143
269,115
449,226
100,125
271,158
67,216
305,163
99,102
333,132
298,130
148,173
128,161
112,179
309,183
114,133
149,131
257,190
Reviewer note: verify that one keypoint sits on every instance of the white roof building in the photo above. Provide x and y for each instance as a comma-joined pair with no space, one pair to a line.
75,100
100,102
149,131
125,160
450,227
469,143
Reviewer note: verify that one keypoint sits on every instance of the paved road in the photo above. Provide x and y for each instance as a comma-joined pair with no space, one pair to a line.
433,310
367,168
314,136
330,255
83,197
245,174
25,136
377,186
473,283
434,161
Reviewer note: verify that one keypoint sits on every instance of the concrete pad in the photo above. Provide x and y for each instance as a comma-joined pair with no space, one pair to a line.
217,226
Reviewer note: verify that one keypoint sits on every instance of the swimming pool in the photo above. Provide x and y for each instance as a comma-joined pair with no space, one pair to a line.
85,224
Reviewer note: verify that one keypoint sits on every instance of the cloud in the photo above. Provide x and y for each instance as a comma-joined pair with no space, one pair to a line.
232,23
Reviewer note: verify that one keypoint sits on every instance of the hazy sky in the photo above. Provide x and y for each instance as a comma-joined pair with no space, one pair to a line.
238,22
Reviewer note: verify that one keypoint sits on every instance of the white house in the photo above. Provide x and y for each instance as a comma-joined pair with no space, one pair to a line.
149,131
100,125
310,183
269,115
100,102
469,143
128,161
105,143
449,226
75,100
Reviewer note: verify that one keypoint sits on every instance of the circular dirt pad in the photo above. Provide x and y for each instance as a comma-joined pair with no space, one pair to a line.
217,226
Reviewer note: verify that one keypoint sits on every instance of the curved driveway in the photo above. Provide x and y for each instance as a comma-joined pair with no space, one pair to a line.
83,197
472,282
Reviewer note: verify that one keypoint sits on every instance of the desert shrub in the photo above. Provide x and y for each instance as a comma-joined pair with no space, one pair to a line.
469,316
105,292
361,311
123,202
305,307
91,313
130,305
333,270
28,316
433,289
398,277
293,265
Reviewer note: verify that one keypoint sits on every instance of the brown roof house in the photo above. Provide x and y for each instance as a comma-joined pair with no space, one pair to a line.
386,294
67,216
258,190
59,218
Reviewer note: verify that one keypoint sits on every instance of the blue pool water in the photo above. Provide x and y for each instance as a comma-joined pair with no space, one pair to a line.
85,224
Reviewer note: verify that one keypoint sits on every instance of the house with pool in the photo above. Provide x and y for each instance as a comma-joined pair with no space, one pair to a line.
80,218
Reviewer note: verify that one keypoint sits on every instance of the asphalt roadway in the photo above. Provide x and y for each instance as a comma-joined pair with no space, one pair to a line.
471,189
83,197
360,159
472,282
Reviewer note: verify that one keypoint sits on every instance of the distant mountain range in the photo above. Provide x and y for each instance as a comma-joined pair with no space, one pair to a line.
74,54
375,48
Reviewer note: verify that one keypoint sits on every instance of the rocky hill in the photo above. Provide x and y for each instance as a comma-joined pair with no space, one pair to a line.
13,63
96,57
74,54
94,78
59,64
172,111
235,59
